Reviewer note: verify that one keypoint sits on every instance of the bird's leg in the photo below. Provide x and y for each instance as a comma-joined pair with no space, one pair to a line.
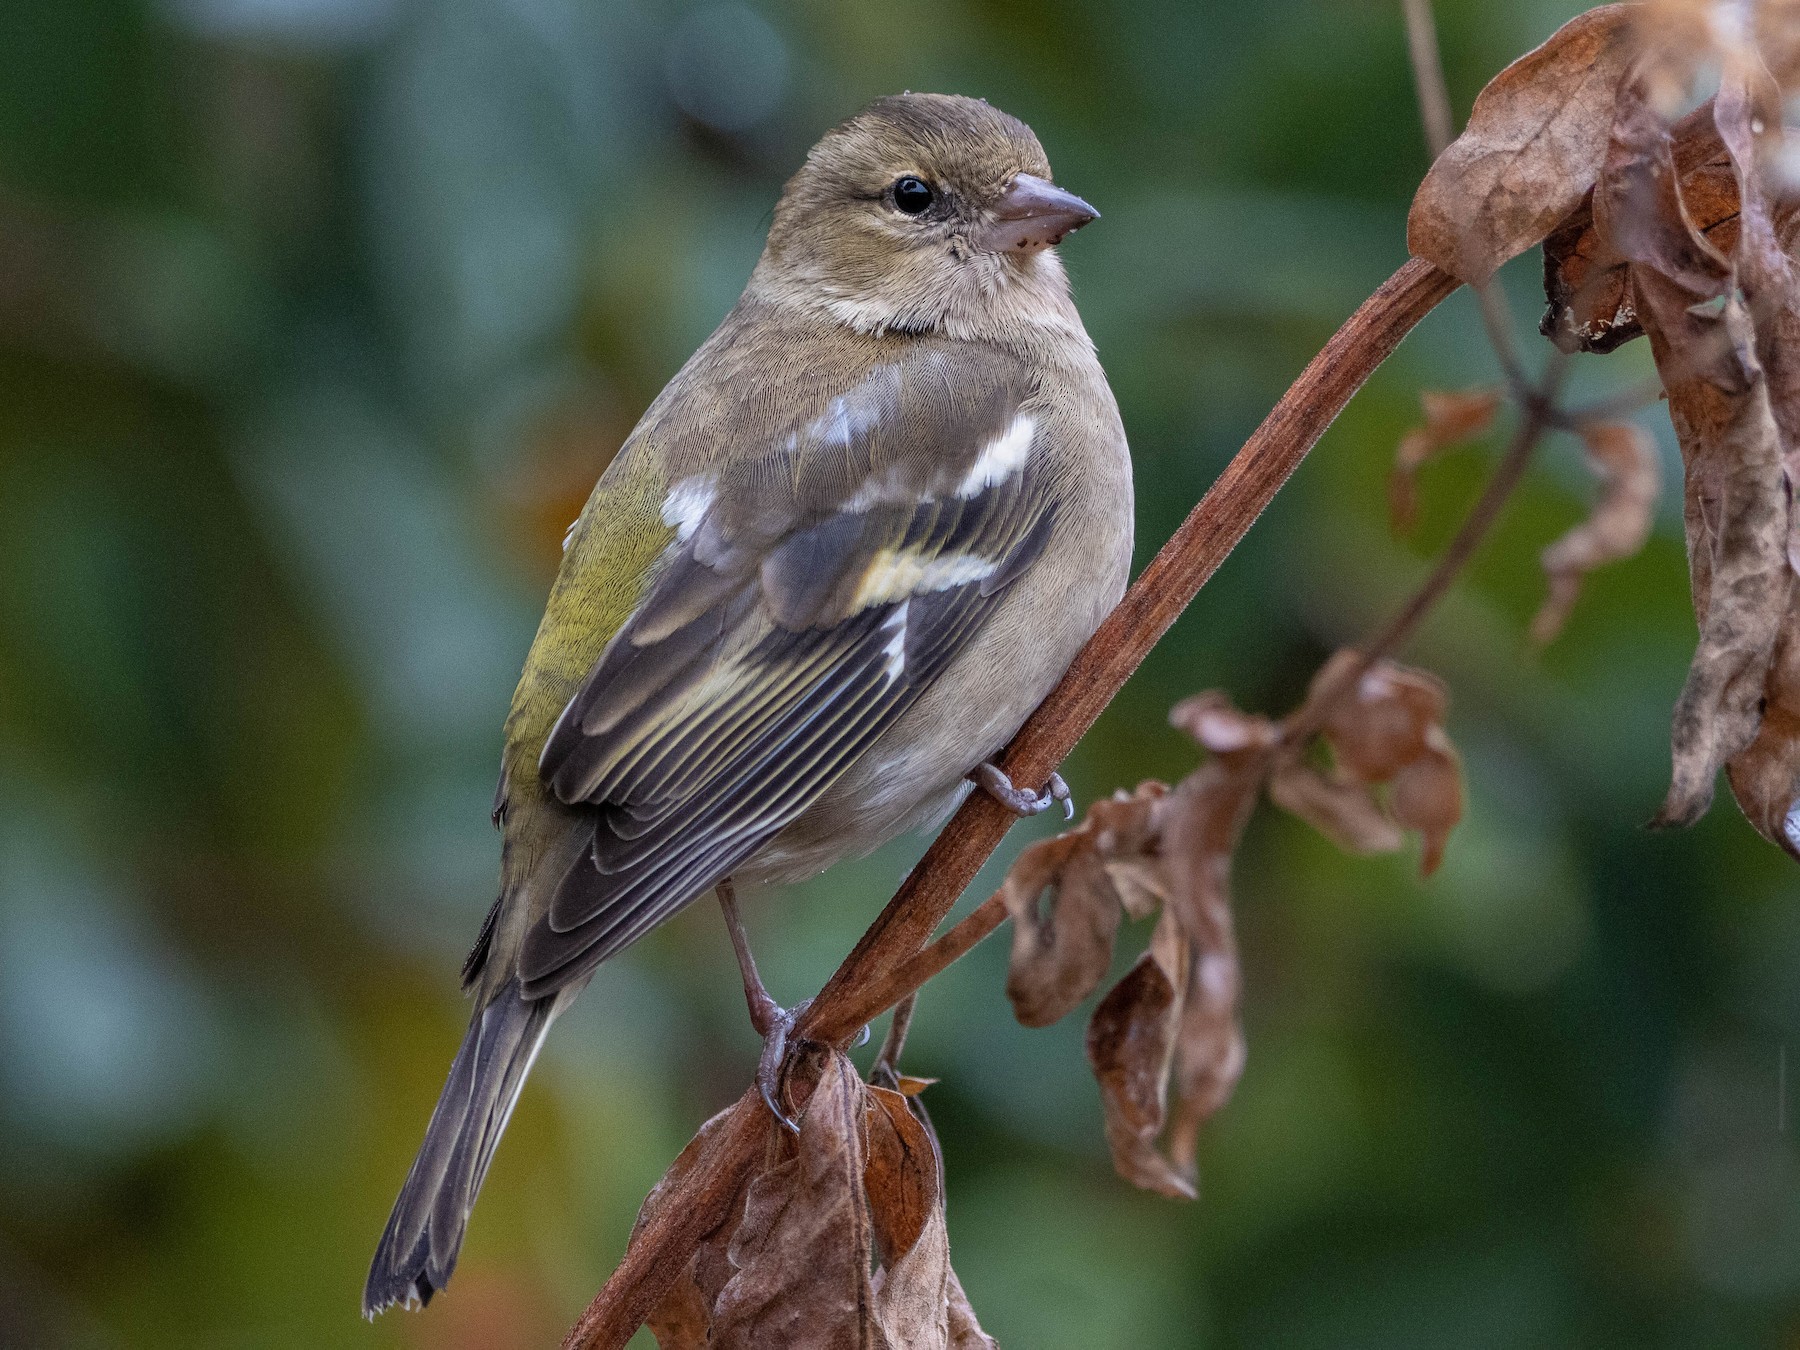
993,781
772,1021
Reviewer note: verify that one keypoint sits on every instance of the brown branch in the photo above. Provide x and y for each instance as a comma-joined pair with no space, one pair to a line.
890,960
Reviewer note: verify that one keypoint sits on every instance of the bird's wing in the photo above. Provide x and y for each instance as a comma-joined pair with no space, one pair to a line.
809,596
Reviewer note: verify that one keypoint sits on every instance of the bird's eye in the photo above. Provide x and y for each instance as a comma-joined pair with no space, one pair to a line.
912,195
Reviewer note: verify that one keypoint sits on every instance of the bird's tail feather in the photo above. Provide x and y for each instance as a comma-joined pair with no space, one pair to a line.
424,1233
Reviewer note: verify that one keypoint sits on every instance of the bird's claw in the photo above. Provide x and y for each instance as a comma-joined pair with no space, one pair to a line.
993,780
771,1067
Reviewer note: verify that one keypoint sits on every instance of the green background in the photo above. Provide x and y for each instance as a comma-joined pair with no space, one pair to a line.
318,317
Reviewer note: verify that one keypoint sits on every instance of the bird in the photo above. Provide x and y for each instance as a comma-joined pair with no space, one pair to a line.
850,547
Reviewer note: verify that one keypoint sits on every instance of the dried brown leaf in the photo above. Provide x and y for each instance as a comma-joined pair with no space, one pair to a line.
901,1178
1380,725
1736,516
802,1251
1747,113
1623,456
1174,1014
1344,812
906,1205
1735,500
1765,775
912,1296
1426,795
960,1329
1451,418
1060,952
864,1179
1389,729
1534,145
1209,1047
1131,1046
1640,212
1212,719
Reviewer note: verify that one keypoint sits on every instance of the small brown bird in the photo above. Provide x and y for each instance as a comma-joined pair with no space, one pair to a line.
849,548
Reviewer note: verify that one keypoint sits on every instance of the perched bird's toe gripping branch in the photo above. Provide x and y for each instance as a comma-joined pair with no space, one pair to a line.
992,779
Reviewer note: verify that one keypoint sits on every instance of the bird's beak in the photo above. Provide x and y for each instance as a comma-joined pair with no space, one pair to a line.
1033,215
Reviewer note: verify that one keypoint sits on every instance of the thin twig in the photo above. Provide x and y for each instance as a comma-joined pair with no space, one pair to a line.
1440,129
1537,402
1428,75
1306,721
893,948
893,1045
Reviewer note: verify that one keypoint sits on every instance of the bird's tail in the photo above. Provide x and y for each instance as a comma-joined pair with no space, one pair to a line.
424,1233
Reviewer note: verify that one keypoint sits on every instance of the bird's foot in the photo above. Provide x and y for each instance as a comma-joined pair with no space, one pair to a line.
774,1024
993,781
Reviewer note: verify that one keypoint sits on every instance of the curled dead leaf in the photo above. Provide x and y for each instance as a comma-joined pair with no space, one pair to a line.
1165,1043
1705,342
1765,775
801,1253
1380,724
902,1172
1344,812
1221,727
1624,458
839,1239
1737,547
1172,1021
1061,952
1640,211
1451,418
965,1331
1534,145
1426,796
1389,729
1131,1046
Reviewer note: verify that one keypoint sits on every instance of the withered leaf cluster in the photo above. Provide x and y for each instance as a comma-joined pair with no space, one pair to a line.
1165,1043
837,1240
1679,232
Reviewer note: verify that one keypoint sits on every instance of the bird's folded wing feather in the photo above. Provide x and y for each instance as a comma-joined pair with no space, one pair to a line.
811,593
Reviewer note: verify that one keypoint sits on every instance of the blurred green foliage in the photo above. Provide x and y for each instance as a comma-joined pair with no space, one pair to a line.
318,317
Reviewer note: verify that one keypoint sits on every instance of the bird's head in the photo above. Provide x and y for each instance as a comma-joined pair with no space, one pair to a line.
924,213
